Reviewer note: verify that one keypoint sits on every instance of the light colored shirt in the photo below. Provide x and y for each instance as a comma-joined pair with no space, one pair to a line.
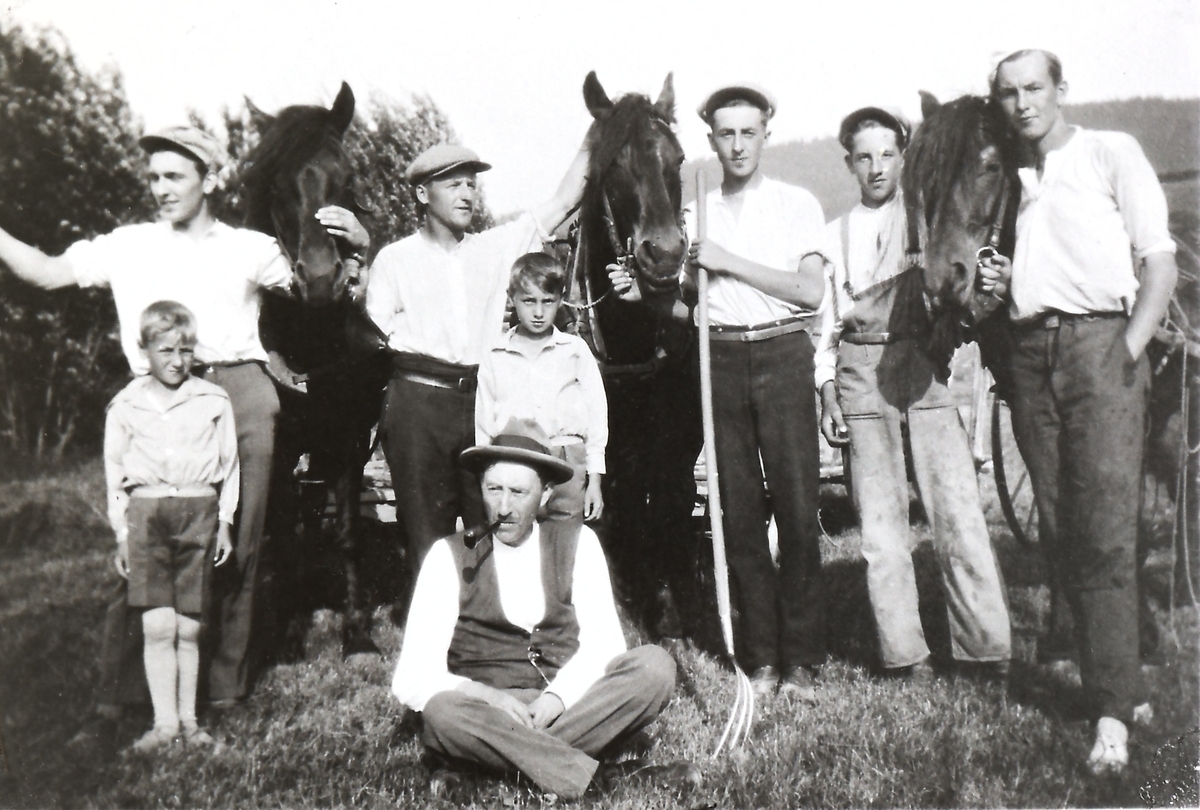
422,671
557,384
218,277
778,225
186,440
871,230
1097,209
447,304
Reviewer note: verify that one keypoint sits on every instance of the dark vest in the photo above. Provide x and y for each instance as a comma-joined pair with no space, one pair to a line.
486,646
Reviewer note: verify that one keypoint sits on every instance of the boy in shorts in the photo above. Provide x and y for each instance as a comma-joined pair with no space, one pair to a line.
171,464
539,373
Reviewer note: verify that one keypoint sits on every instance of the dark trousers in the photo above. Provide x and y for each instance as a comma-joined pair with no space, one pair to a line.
764,407
255,406
255,409
635,688
425,428
1079,410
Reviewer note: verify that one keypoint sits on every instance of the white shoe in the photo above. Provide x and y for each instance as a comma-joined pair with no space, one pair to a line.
1110,754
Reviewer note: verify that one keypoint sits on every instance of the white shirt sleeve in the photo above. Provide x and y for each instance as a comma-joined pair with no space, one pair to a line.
231,476
597,404
825,359
600,635
485,401
1139,196
383,292
93,261
421,671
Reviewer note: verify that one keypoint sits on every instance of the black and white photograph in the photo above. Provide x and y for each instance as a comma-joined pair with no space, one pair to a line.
619,404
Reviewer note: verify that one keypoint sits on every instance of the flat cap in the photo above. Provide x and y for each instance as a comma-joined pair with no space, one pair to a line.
892,120
440,159
745,92
193,140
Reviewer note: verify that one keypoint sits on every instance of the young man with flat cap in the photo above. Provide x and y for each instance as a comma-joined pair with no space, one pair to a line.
513,653
1088,285
218,272
761,306
875,379
439,296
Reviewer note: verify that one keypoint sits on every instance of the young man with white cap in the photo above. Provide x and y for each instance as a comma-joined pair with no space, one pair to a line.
1088,284
875,379
761,305
218,272
439,296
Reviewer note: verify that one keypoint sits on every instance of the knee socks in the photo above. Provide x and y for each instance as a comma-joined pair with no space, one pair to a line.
172,656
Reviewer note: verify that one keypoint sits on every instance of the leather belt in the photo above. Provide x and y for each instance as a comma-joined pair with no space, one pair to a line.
1053,320
878,338
172,491
762,331
465,385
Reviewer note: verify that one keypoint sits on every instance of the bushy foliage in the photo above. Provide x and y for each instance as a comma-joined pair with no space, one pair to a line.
70,168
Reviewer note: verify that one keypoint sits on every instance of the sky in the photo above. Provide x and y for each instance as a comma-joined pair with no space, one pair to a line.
509,74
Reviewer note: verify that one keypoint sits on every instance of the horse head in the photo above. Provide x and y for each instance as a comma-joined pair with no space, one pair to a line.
961,190
297,168
634,181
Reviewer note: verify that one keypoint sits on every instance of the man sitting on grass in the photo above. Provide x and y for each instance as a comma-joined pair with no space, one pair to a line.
514,654
169,448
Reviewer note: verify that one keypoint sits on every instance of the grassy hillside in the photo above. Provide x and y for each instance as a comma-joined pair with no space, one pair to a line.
1168,130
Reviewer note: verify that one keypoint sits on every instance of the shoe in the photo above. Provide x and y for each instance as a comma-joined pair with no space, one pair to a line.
677,776
194,735
798,685
1110,754
990,673
155,738
443,782
920,673
765,681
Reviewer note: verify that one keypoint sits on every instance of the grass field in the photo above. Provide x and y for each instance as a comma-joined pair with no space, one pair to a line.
323,733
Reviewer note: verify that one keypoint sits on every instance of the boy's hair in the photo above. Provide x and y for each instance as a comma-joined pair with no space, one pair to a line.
166,316
744,102
540,270
1053,65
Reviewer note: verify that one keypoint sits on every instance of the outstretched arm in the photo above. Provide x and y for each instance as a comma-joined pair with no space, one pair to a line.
32,265
554,211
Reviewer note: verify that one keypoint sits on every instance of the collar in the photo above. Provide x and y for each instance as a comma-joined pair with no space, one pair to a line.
506,344
138,395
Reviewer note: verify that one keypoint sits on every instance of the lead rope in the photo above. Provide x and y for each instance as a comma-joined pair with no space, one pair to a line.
737,728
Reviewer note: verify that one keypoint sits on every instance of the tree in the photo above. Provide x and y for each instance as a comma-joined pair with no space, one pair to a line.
70,169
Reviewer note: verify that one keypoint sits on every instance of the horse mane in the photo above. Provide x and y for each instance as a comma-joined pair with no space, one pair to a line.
608,135
948,143
288,140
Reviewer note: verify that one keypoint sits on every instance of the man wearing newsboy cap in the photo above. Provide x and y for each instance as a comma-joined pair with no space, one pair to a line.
165,260
439,295
513,652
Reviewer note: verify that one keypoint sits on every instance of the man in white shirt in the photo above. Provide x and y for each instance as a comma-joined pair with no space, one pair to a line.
761,304
439,296
513,652
875,377
1092,210
217,272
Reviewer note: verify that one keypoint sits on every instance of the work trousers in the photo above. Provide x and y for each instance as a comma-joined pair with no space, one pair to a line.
945,473
635,688
425,429
1079,410
766,428
255,406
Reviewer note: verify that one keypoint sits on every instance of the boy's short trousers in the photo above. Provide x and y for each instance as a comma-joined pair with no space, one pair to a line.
170,551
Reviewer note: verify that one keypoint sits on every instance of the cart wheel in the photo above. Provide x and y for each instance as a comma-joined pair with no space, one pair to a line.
1013,487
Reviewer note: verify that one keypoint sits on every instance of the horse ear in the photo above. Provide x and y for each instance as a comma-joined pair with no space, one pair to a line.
929,103
342,112
665,106
597,101
258,118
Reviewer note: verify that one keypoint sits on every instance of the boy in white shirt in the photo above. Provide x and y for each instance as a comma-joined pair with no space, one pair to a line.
536,372
874,377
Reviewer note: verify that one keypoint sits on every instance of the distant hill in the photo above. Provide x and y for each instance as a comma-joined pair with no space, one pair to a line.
1168,130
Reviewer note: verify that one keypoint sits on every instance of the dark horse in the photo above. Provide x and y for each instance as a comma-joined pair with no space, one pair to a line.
631,213
325,352
962,192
